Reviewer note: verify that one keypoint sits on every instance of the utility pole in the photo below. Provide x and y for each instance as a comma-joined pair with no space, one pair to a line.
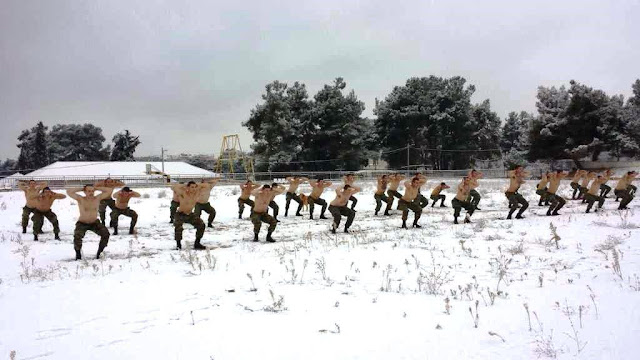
163,151
408,163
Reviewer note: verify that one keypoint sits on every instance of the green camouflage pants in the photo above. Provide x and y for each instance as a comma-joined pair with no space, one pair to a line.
391,194
626,197
193,219
475,197
405,206
275,207
421,200
102,208
591,199
379,199
115,214
296,198
26,211
172,209
557,202
95,227
242,203
208,209
459,205
435,199
258,218
514,199
318,201
338,212
38,221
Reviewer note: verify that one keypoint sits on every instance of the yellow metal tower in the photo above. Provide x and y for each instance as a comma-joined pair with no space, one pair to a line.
230,151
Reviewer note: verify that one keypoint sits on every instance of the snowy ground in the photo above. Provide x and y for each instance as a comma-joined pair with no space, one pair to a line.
441,292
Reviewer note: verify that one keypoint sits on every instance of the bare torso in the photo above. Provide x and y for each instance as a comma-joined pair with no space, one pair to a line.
594,189
543,182
44,202
394,182
31,194
342,197
88,206
554,182
462,193
410,191
122,199
205,192
515,180
382,186
317,189
436,190
293,185
245,191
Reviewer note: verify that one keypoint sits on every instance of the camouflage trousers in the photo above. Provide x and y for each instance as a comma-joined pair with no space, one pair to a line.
557,202
242,203
379,199
26,211
96,227
258,218
172,209
391,194
208,209
292,196
193,219
405,206
338,212
275,207
514,199
102,208
459,205
115,214
319,201
435,199
591,199
38,221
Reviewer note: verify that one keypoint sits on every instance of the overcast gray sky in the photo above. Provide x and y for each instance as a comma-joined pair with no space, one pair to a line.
183,73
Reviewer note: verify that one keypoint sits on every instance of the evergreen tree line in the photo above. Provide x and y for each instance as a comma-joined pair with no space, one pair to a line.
435,117
40,146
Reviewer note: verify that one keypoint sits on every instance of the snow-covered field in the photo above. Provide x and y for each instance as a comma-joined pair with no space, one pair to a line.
494,289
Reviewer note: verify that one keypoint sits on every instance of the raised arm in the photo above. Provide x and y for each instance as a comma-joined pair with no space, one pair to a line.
105,192
135,194
327,184
73,193
256,191
280,189
355,189
407,184
41,185
313,183
58,196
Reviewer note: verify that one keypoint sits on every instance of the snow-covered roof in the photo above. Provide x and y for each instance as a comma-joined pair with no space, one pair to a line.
117,168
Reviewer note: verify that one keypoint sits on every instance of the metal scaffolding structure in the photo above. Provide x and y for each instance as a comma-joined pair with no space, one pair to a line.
230,152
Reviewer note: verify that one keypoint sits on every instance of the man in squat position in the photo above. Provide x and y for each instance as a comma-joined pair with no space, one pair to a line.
259,213
462,200
516,179
436,194
338,207
88,219
188,196
43,210
203,203
31,191
294,182
245,192
122,198
318,187
407,202
557,201
379,195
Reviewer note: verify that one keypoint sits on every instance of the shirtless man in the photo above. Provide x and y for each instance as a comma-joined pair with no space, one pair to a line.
462,200
31,191
516,178
259,213
379,195
122,198
317,187
604,188
43,210
349,180
575,182
623,189
245,192
542,189
203,203
88,219
188,196
592,195
420,199
474,176
394,182
435,194
272,203
294,182
584,186
407,202
107,202
557,201
175,202
338,207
